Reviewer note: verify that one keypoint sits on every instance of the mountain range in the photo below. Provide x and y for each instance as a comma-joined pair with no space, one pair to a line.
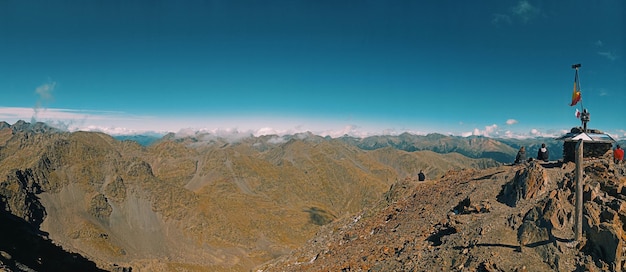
502,150
199,202
207,203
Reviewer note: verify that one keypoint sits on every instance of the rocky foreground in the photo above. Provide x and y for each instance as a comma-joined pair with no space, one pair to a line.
509,218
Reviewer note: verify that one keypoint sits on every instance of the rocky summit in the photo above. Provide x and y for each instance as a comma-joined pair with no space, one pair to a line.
507,218
85,201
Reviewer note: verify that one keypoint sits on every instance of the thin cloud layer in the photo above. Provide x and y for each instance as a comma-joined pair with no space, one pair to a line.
119,123
522,11
609,55
499,19
525,11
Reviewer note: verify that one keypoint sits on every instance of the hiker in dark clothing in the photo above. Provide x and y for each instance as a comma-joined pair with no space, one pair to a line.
521,155
421,176
543,154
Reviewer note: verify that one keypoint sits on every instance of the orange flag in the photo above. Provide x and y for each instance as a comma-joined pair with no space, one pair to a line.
576,94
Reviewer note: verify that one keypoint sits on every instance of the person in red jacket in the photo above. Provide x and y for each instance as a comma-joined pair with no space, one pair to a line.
618,155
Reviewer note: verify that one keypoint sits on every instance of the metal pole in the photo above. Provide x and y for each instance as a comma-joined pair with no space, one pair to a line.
579,190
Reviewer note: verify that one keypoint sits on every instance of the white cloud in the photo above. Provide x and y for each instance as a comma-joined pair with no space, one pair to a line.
550,133
266,131
277,140
495,131
45,95
21,113
619,134
599,43
107,130
609,55
524,11
45,91
499,19
351,130
489,131
511,122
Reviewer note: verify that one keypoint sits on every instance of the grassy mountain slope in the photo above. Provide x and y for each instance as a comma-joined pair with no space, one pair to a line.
473,147
194,203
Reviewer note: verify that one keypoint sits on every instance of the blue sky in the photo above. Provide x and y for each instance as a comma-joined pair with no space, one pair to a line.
495,68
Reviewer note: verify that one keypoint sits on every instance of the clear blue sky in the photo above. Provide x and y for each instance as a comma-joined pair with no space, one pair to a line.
496,68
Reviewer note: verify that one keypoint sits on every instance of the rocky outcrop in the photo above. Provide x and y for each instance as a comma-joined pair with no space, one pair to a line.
528,183
466,206
99,206
116,190
18,196
605,215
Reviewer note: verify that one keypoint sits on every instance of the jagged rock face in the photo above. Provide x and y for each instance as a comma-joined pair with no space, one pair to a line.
19,196
528,183
605,214
200,204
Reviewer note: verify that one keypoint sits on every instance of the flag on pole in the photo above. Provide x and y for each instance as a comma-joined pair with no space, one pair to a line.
577,113
575,96
576,93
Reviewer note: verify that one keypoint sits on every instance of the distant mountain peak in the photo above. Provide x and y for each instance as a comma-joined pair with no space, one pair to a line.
23,126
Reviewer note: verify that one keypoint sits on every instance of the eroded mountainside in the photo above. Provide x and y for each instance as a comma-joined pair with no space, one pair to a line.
200,203
507,218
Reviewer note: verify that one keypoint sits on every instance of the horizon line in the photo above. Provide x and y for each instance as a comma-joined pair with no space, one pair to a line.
121,123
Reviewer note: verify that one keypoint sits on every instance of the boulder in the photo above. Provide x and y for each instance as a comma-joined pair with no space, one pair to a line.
528,183
604,242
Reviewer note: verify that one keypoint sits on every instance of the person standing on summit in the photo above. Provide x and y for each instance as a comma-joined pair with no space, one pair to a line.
543,154
521,155
618,155
421,176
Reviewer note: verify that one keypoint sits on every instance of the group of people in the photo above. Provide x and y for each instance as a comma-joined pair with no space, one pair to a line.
542,154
